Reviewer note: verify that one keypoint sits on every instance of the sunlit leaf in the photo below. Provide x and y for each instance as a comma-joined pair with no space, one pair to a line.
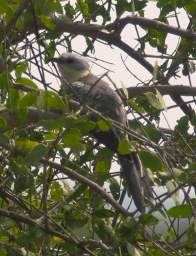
27,83
181,211
72,139
104,125
124,147
20,69
47,22
28,100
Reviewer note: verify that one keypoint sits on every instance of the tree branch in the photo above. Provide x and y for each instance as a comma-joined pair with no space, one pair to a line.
76,176
163,89
103,33
29,221
149,23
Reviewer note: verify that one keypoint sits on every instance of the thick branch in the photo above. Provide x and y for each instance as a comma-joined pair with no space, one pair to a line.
76,176
163,89
181,90
103,33
155,24
29,221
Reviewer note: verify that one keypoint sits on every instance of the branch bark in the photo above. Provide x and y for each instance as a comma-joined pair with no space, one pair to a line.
29,221
155,24
76,176
163,89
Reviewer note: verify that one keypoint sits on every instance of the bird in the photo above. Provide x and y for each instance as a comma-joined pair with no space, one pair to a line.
76,77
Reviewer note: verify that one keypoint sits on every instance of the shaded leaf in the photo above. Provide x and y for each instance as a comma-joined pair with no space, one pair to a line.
150,160
4,140
114,188
36,154
103,213
182,125
148,219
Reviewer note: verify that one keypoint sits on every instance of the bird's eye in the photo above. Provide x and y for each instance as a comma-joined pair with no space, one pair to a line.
69,60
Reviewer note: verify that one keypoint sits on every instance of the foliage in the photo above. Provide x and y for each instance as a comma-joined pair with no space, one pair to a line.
55,181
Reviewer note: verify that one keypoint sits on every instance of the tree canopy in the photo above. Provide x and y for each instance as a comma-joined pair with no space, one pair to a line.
61,193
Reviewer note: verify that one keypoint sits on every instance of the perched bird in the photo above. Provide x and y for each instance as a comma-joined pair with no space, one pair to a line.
90,90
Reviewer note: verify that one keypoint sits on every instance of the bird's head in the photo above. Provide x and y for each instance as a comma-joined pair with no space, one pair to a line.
72,67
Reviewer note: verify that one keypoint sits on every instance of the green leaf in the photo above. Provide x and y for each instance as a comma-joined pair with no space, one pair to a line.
28,100
25,145
3,252
101,166
155,100
3,140
160,99
82,6
103,213
139,4
3,123
104,154
4,6
150,160
69,10
55,6
72,139
152,132
155,252
20,68
126,228
51,101
36,154
104,125
191,8
13,98
2,62
4,83
54,124
104,232
24,179
148,219
182,211
56,191
85,125
135,105
124,147
182,125
114,188
192,166
47,22
26,82
49,51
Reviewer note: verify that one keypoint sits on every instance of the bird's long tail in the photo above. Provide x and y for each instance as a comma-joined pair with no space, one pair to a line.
137,181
